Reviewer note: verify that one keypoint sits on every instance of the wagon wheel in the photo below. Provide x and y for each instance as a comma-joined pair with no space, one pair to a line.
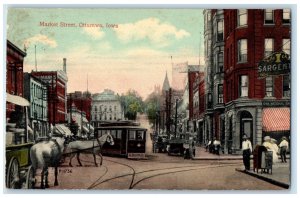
13,174
30,179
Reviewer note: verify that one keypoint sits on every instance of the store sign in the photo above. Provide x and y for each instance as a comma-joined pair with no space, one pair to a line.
277,64
274,103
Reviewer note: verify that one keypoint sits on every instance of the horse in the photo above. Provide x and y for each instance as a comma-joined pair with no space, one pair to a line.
46,154
88,146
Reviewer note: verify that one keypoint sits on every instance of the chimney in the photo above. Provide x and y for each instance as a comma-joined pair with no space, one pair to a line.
65,65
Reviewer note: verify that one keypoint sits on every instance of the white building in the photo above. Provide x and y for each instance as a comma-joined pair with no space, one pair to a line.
105,107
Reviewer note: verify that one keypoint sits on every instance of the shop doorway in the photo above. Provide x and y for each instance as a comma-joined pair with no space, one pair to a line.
246,126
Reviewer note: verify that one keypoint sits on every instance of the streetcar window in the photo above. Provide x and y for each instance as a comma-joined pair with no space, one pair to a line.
132,134
113,133
119,134
140,135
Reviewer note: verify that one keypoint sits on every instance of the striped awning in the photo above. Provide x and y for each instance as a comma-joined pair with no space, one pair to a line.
276,119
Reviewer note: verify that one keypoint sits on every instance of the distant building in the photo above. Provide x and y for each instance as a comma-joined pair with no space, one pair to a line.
35,91
82,102
56,82
106,106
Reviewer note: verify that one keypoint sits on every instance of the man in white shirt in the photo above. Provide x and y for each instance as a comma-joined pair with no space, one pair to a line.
284,145
247,150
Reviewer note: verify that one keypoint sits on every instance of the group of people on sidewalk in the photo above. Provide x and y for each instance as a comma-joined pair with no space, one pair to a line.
270,146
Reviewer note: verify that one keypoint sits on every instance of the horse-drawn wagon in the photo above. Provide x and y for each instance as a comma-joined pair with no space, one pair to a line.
19,172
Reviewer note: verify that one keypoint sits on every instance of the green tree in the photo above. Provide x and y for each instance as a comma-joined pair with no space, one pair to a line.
132,104
152,106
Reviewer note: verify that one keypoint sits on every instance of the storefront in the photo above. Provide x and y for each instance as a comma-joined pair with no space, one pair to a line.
276,122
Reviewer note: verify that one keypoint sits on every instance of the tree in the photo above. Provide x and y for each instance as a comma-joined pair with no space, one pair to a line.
132,104
152,107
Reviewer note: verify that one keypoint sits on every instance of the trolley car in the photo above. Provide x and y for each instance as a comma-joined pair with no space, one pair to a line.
129,139
19,172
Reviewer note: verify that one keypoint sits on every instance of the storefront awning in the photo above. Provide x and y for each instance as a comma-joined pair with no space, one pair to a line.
276,119
18,100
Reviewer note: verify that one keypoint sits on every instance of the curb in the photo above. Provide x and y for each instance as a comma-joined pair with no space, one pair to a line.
217,158
272,181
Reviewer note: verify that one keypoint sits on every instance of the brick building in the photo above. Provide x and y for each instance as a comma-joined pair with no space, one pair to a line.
82,102
251,35
56,82
14,72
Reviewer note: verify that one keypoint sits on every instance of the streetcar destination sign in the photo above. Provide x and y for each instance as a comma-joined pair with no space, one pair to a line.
276,64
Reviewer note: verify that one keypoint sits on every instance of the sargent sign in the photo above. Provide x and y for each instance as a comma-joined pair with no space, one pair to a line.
276,64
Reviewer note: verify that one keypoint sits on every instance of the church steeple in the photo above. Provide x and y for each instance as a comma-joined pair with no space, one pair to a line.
166,85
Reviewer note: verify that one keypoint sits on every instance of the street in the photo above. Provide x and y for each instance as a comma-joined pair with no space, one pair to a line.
158,171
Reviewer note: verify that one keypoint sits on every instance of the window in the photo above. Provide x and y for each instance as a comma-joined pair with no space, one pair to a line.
286,46
220,93
242,17
110,117
115,108
119,134
269,46
220,31
115,117
286,16
244,86
269,86
242,50
95,108
110,108
220,61
286,86
209,100
113,133
269,16
132,135
140,135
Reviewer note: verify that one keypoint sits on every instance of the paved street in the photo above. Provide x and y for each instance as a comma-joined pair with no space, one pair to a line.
159,172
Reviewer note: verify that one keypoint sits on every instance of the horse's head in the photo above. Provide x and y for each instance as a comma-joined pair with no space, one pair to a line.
110,139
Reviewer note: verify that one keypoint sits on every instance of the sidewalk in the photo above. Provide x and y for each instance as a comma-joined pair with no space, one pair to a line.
280,171
201,154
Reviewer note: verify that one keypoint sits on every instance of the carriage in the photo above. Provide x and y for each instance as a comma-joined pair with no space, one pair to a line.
129,139
19,172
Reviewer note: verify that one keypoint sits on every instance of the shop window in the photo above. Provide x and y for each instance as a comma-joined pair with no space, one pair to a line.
269,86
243,86
242,50
269,16
242,17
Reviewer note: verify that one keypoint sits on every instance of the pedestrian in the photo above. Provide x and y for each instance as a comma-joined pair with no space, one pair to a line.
247,150
284,145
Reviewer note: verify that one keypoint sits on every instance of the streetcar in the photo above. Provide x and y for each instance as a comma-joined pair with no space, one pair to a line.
19,172
129,139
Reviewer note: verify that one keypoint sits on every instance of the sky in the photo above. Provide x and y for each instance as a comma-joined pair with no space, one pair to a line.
133,52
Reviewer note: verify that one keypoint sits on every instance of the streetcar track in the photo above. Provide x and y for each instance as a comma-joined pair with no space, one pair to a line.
92,185
134,173
185,170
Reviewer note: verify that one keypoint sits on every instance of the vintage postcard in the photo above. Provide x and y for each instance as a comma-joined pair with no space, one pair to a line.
140,98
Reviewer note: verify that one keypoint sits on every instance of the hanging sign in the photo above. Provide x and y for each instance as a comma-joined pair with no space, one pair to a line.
276,64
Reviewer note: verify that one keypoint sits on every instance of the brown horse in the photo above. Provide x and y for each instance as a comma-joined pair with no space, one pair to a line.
46,154
88,146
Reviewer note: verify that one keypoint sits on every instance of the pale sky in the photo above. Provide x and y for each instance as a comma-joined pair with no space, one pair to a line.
135,55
